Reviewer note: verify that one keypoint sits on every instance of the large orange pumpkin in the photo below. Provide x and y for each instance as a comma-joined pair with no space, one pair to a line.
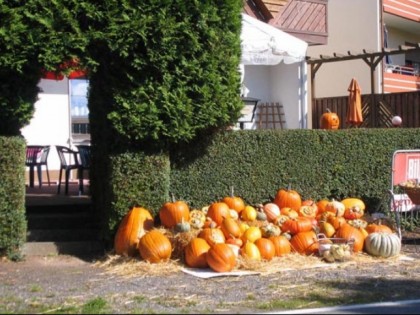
288,198
132,227
281,245
296,225
218,211
172,213
329,120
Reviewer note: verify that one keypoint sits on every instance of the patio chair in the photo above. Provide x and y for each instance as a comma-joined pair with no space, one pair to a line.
36,157
84,155
68,161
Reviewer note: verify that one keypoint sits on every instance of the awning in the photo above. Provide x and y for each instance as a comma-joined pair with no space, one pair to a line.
263,44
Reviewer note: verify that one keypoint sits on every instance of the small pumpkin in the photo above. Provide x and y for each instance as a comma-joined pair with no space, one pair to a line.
221,258
155,247
234,202
212,235
271,210
354,208
266,248
336,207
133,226
249,213
349,232
182,226
329,120
251,234
296,225
382,244
230,228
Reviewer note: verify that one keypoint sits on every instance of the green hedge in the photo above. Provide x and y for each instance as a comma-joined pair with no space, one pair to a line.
12,196
316,163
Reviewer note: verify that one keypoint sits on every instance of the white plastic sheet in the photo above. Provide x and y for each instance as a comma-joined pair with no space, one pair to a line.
263,44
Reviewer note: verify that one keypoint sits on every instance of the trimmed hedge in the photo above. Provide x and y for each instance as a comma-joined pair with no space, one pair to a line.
13,223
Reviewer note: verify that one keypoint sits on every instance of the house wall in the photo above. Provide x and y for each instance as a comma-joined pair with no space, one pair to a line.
50,124
352,26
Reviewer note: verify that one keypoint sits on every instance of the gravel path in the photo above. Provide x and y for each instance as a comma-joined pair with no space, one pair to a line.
69,284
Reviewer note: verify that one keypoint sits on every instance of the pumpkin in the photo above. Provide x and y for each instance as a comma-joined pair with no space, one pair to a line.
234,202
218,211
174,212
291,213
329,120
132,227
249,213
382,244
271,210
305,243
155,247
230,228
336,222
212,235
308,211
336,207
321,205
354,208
281,245
296,225
327,229
221,258
349,232
251,234
266,248
195,253
250,251
375,228
288,198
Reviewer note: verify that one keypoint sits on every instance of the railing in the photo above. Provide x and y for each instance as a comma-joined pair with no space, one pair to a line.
377,111
406,70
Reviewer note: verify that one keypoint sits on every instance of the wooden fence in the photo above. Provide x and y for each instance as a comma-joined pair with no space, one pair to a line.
377,110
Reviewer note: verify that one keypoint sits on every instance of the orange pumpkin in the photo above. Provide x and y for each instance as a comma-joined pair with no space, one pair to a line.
155,247
291,213
288,198
195,253
221,257
349,232
305,243
296,225
235,203
230,228
218,211
212,235
329,120
281,245
354,208
266,248
374,227
132,227
172,213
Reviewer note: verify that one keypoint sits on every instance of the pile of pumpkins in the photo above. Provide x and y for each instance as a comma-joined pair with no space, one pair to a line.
229,228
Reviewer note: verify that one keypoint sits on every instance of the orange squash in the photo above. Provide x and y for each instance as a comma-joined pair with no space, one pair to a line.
132,227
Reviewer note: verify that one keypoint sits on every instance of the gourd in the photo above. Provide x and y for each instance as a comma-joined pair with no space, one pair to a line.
132,227
354,208
383,244
155,247
329,120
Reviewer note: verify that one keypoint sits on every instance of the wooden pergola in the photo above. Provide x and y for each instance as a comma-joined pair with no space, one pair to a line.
372,59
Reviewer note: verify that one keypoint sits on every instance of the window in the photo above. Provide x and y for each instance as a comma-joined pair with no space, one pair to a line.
79,109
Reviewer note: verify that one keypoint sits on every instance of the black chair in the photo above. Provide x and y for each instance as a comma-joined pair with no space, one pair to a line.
68,161
84,155
36,157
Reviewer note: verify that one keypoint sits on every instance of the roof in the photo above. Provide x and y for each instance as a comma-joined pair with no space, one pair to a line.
304,19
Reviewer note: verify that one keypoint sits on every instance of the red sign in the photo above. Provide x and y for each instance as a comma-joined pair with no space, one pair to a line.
405,166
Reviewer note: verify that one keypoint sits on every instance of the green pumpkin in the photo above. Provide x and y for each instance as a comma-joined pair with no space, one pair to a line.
383,244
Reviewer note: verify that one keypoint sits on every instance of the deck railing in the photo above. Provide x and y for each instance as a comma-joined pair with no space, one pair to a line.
377,110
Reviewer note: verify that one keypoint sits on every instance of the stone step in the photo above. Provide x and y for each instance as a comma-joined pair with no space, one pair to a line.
80,248
61,235
60,220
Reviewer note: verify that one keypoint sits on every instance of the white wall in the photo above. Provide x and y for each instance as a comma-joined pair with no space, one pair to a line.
50,124
278,84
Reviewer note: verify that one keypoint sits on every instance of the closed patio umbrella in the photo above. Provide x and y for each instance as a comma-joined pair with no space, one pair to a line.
354,112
